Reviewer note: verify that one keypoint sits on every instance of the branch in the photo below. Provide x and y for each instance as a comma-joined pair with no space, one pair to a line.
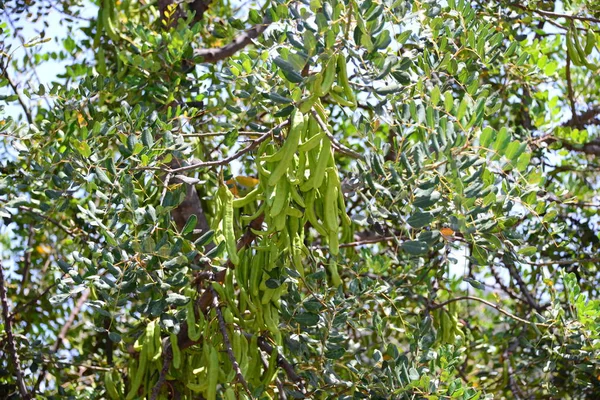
70,364
589,117
227,160
586,118
19,98
18,309
11,339
281,361
227,342
63,333
523,286
591,148
207,299
219,53
368,241
68,13
213,134
503,287
191,204
489,304
162,378
337,145
53,221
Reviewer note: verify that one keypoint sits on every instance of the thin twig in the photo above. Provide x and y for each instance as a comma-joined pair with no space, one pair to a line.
227,160
227,342
337,145
27,260
555,14
28,57
84,366
565,262
490,304
368,241
165,187
360,242
213,134
18,309
12,350
53,221
68,13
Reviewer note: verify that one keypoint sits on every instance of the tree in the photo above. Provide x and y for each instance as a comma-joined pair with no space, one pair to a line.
324,199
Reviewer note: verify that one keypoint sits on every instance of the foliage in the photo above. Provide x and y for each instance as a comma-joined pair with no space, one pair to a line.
301,200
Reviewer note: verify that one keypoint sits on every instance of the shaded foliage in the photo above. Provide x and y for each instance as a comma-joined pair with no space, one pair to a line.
300,200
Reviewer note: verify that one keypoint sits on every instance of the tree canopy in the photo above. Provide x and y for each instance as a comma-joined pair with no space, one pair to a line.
300,199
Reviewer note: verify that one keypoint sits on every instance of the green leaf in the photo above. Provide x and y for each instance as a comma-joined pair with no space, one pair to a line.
272,283
501,143
307,319
487,136
528,250
53,194
462,108
514,150
216,251
176,299
435,95
147,138
335,352
102,176
415,247
58,299
114,337
292,76
420,219
448,101
413,374
277,98
231,138
284,65
550,215
426,198
480,255
205,238
474,283
383,40
189,225
523,161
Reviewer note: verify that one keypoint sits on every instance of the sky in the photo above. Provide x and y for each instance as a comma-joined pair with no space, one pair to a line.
30,31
